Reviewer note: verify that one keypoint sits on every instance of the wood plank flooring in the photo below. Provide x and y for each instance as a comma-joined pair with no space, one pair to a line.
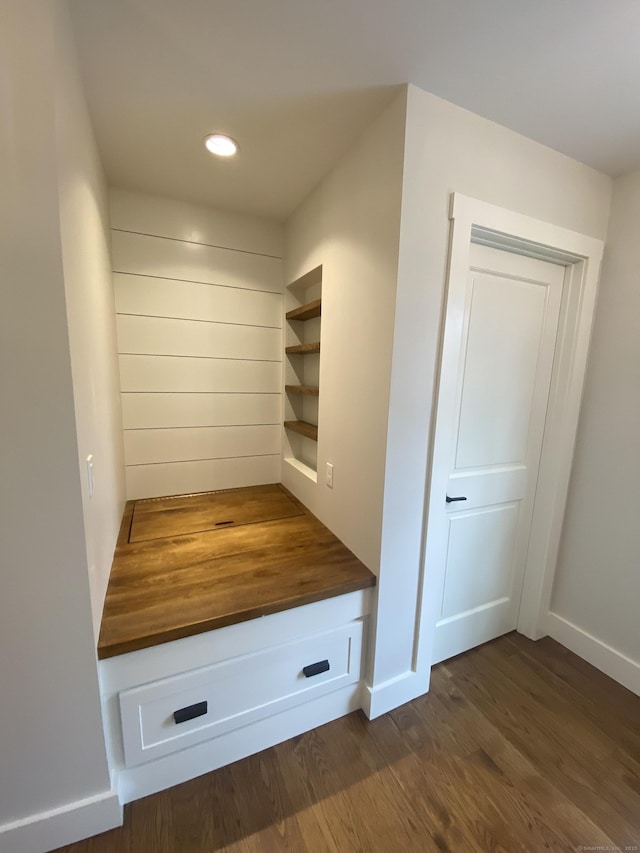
518,746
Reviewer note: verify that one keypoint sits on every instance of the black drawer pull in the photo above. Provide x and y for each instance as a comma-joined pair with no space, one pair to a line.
453,500
316,668
190,712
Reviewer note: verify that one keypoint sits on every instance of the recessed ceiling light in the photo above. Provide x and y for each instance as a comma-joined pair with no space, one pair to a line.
223,146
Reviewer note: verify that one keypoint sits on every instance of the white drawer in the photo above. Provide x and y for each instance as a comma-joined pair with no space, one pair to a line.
237,692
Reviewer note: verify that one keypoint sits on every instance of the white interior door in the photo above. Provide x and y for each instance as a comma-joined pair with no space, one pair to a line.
494,390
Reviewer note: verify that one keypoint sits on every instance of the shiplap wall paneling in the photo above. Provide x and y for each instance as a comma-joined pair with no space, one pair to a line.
194,223
200,351
144,446
146,411
178,374
203,339
143,254
187,477
187,300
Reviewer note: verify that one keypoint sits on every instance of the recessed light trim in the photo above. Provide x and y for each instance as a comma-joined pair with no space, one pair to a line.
221,144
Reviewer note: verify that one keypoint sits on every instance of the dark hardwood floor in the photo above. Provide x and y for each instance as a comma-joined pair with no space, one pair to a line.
518,746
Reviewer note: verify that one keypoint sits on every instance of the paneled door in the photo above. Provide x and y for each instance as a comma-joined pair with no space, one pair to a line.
495,379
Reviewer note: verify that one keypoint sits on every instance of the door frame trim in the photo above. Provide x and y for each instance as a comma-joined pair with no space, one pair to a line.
476,221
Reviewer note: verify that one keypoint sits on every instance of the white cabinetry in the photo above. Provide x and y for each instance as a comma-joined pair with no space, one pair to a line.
241,689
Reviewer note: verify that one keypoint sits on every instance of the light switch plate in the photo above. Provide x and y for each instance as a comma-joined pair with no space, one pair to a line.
330,474
90,474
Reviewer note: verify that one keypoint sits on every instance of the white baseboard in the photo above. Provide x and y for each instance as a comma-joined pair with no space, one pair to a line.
65,825
391,694
610,661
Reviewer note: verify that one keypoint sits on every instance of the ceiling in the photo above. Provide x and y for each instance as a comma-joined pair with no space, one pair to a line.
295,81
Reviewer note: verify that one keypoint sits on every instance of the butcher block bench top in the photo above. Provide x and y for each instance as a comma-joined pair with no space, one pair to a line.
192,563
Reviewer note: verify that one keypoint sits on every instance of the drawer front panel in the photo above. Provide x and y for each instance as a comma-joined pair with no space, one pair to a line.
235,692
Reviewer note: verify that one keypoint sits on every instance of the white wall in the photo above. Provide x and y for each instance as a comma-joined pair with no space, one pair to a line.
54,782
199,302
597,588
447,149
350,225
84,225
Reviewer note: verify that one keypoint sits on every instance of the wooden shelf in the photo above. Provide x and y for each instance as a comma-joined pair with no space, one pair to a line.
311,390
309,279
306,312
302,427
303,349
306,294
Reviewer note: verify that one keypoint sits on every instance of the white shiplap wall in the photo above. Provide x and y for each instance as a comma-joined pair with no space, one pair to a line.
199,315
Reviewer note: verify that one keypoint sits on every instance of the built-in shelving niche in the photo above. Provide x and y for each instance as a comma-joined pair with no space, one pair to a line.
303,306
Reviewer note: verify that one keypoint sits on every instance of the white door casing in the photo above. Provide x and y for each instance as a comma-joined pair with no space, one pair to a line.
500,378
485,224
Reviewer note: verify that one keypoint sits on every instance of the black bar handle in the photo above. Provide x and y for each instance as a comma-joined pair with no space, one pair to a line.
190,712
453,500
316,668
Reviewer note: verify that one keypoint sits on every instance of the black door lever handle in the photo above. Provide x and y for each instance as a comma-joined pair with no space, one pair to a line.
452,500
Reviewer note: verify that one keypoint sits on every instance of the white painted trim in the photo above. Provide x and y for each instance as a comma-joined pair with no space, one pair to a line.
63,825
613,663
517,229
477,221
302,468
393,693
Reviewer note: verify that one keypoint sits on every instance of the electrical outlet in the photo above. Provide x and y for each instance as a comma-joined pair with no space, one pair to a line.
330,475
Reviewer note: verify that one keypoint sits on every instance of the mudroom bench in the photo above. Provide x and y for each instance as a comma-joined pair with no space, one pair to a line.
233,620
